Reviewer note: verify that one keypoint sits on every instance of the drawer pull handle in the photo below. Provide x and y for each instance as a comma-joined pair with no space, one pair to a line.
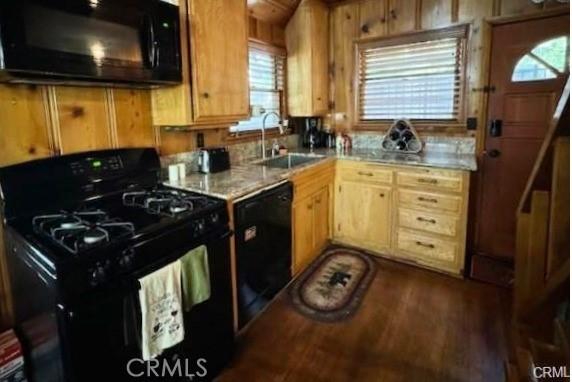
365,173
428,181
425,220
426,245
428,200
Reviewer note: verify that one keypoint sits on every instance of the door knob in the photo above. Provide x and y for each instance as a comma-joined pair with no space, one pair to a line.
494,153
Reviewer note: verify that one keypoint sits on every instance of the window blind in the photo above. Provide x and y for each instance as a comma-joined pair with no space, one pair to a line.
266,77
419,80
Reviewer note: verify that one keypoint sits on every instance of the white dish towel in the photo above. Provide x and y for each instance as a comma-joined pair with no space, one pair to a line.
161,313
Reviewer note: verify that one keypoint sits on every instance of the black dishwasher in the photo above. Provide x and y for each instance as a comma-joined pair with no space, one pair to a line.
263,248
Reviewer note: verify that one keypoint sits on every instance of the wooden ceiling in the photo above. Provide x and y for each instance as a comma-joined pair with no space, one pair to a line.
276,12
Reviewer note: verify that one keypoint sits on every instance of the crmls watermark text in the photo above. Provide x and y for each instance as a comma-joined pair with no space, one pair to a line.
139,368
540,372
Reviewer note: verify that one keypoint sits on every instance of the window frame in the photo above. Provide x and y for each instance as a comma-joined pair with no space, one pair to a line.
456,31
276,51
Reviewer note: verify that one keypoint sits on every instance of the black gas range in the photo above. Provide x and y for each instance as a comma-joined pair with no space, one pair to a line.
81,230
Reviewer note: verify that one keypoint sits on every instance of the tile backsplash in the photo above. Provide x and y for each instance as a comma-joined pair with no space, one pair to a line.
433,143
239,152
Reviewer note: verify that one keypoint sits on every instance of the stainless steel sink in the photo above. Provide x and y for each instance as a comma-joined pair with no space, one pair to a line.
289,161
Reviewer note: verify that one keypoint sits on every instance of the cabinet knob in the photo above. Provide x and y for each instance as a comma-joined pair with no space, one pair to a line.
365,28
393,14
382,195
309,206
206,95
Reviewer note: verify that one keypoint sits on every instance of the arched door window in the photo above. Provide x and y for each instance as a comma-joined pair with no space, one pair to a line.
547,60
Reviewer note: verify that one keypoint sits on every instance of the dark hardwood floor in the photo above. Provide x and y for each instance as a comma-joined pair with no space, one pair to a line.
413,325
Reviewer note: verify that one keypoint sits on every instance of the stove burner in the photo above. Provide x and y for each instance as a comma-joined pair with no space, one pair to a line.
79,231
165,202
94,236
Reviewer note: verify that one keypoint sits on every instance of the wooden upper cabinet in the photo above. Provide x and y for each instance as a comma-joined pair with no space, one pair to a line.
215,87
219,66
307,46
82,119
23,123
401,16
436,13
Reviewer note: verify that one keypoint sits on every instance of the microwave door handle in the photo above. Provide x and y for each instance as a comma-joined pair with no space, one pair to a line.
150,31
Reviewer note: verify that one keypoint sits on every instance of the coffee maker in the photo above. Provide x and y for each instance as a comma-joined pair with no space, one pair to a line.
312,133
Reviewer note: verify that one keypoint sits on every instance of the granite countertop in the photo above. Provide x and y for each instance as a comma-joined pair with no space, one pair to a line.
246,178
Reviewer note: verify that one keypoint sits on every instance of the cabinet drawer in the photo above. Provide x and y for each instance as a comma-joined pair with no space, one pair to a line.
435,180
427,248
428,222
438,202
366,174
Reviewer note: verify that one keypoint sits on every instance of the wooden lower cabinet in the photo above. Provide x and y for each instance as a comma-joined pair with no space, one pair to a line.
363,214
414,214
312,214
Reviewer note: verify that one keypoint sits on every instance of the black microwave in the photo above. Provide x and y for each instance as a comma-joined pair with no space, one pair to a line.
107,41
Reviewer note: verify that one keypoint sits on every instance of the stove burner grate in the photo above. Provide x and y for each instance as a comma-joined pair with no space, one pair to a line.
79,231
165,202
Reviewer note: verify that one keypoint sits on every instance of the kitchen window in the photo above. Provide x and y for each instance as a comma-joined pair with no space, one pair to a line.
418,76
267,83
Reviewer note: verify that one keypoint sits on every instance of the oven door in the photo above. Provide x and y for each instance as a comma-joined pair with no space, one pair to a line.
102,40
102,332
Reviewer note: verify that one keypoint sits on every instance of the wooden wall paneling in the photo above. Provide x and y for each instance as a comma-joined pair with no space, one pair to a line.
82,119
373,18
345,22
402,16
265,32
133,124
516,7
272,11
437,13
474,12
24,124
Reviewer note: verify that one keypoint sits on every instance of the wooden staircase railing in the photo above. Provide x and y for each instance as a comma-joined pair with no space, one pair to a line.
542,263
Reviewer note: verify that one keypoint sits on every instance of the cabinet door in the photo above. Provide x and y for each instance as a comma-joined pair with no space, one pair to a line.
303,231
319,57
219,50
402,15
321,219
363,214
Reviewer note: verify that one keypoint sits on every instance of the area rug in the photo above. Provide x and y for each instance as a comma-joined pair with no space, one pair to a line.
333,286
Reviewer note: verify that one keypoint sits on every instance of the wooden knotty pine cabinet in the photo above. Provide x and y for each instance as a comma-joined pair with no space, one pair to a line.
214,50
307,41
312,213
414,214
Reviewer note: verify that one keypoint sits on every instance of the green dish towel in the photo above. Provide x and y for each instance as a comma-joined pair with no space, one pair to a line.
195,277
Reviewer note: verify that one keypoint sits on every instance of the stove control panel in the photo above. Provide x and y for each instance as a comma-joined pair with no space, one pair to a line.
96,166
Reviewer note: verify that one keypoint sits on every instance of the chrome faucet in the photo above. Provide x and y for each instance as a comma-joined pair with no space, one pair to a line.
280,128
